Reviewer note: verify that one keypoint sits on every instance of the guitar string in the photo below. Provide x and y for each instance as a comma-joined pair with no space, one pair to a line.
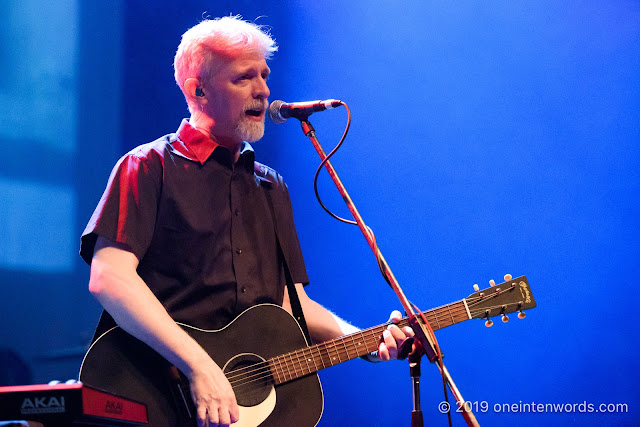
318,353
269,376
305,358
331,350
370,338
268,379
328,349
302,358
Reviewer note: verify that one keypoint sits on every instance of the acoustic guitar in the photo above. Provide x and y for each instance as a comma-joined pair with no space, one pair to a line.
263,353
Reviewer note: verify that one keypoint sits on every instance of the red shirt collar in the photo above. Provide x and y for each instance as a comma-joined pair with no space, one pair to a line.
192,143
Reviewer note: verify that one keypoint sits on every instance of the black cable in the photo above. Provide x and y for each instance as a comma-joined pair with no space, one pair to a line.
376,250
325,160
347,221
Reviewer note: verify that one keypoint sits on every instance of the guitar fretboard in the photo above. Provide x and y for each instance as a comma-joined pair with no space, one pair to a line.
296,364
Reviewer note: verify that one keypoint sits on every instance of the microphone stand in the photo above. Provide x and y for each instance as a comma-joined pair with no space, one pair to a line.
416,321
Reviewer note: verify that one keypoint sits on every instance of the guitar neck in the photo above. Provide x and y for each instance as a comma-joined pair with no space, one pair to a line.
304,361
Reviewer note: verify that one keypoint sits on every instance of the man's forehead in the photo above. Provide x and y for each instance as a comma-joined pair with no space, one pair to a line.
245,62
237,62
248,58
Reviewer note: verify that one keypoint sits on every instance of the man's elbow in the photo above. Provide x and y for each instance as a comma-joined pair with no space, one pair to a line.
99,279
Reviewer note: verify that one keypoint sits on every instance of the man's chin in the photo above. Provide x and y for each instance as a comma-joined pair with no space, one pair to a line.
251,132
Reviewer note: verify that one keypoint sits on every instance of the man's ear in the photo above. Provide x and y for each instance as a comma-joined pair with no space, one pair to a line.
194,91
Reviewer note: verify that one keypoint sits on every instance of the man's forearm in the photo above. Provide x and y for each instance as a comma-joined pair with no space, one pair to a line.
136,310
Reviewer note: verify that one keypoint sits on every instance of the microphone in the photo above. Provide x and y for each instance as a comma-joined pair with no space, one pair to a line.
280,111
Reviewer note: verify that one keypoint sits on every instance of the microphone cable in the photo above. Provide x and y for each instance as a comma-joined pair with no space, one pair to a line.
377,251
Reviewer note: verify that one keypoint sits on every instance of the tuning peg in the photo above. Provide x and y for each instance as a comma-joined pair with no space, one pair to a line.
488,323
522,315
507,277
492,282
476,287
505,318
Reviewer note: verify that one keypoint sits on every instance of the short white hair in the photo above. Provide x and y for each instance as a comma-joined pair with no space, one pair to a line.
215,39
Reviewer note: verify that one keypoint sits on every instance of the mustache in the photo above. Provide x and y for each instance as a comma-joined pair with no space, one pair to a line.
256,105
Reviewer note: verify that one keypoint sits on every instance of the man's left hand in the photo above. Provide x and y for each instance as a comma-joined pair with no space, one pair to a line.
393,337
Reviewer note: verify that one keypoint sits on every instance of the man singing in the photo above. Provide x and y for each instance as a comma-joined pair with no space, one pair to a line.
191,229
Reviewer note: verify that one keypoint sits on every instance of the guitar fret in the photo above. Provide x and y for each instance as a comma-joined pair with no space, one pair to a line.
324,354
286,364
332,359
301,373
282,372
306,360
337,352
346,349
295,373
280,377
312,358
450,314
277,365
357,346
437,320
375,338
375,335
274,372
320,356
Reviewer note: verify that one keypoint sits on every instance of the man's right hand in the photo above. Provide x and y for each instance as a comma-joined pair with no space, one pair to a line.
115,283
213,397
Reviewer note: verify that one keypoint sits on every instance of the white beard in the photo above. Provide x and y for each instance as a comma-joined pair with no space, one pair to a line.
249,130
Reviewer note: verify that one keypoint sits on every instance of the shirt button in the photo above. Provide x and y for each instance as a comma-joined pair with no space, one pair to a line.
238,251
243,290
236,212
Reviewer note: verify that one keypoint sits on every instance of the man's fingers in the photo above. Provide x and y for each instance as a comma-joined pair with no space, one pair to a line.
397,333
395,316
383,352
235,413
390,342
202,416
224,417
392,337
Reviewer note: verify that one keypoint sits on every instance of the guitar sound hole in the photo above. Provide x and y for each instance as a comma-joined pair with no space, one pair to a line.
250,378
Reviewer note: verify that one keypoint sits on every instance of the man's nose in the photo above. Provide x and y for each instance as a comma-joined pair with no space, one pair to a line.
261,90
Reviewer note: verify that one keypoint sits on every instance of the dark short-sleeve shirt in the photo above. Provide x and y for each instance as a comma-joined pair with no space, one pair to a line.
202,227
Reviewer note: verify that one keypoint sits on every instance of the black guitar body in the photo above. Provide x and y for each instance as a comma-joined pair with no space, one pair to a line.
121,364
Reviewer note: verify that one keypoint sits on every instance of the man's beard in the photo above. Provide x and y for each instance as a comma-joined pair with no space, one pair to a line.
250,130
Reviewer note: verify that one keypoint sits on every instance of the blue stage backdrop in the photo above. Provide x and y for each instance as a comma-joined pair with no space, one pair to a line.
487,138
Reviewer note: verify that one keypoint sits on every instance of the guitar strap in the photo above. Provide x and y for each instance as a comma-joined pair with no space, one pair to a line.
296,307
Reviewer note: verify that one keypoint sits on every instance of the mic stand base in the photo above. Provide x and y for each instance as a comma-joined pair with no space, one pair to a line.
414,370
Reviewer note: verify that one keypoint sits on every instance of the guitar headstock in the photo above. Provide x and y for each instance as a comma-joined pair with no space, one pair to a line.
508,297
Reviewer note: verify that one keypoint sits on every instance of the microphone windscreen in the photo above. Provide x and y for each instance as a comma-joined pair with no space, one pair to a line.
274,112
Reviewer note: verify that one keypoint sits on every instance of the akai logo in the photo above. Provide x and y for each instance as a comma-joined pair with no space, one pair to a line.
113,407
43,405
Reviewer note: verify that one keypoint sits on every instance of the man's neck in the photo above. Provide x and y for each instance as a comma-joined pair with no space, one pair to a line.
203,124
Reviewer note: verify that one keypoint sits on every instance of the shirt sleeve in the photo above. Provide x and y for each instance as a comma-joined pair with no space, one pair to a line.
127,210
